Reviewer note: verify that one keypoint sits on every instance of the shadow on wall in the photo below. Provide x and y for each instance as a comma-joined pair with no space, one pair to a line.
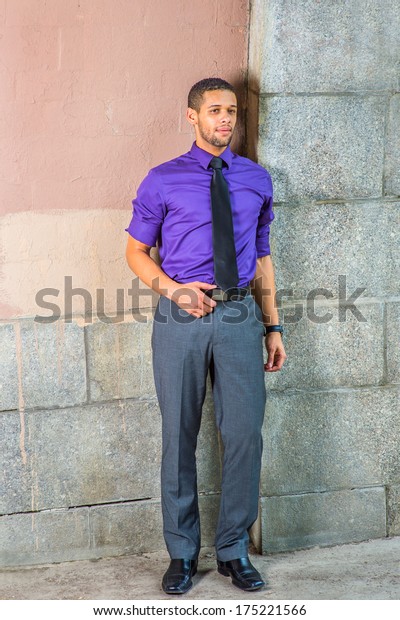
252,111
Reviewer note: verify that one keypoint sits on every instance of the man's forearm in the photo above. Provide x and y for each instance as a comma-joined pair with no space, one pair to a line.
264,290
190,296
151,274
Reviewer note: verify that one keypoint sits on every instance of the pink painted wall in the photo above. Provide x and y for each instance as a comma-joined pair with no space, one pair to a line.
92,94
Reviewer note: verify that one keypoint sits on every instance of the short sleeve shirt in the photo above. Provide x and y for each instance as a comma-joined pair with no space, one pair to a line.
172,210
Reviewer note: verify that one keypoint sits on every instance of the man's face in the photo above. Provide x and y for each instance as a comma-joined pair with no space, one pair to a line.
215,122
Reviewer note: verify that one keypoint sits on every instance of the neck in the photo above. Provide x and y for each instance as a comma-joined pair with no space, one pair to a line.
210,148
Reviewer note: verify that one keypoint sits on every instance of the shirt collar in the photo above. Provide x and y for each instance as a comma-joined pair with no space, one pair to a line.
204,157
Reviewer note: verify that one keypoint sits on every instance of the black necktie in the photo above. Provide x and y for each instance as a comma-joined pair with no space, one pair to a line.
225,266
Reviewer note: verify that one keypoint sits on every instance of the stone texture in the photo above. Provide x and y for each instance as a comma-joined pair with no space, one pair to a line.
393,501
325,46
332,354
326,73
132,527
392,160
8,368
312,245
16,479
53,364
16,476
301,521
136,527
318,441
83,456
50,536
119,360
393,341
91,455
323,147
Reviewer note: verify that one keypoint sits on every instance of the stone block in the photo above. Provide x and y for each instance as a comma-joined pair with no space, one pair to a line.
131,527
393,341
136,527
8,368
91,455
300,521
82,456
324,147
392,155
318,441
325,46
50,536
315,244
17,480
336,353
53,364
119,360
393,500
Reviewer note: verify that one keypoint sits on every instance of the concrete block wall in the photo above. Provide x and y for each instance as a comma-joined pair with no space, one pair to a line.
324,119
81,445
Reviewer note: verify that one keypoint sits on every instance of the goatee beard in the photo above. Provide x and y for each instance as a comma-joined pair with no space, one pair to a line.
214,140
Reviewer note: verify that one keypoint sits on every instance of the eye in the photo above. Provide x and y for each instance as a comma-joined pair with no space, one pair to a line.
232,111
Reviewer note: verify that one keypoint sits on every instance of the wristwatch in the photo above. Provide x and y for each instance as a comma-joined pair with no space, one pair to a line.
273,328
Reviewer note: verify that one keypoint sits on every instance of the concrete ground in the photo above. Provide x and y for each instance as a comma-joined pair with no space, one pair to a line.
367,570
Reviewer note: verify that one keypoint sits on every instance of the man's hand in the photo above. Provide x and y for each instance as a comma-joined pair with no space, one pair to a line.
276,352
191,297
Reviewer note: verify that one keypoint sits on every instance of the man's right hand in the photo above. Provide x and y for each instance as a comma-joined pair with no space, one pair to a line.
192,298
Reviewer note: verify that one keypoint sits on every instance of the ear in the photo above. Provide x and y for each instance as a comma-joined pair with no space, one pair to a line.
191,116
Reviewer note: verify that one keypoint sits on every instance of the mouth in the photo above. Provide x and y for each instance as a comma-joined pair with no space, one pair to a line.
224,130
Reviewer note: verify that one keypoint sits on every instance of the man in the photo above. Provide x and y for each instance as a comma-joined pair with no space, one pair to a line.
209,211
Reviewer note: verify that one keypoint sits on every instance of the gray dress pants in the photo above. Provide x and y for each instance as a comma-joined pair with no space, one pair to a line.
228,343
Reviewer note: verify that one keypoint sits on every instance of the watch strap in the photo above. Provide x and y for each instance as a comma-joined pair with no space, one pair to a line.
273,328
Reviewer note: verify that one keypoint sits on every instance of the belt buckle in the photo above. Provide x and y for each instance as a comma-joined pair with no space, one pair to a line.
237,294
219,295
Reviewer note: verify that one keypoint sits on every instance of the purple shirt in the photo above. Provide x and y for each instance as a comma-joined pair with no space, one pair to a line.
173,208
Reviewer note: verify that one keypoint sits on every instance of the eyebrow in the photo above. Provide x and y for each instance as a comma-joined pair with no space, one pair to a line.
218,105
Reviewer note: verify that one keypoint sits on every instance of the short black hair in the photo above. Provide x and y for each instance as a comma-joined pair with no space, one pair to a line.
195,97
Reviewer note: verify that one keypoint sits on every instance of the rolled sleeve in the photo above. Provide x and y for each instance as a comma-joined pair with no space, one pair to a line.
263,228
148,211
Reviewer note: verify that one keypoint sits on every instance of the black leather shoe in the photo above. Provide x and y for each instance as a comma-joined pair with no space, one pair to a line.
243,574
178,578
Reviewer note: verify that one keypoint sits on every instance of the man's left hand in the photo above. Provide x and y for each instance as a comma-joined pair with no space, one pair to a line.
276,352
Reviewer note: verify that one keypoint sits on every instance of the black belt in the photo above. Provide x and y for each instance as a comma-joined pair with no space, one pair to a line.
232,294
